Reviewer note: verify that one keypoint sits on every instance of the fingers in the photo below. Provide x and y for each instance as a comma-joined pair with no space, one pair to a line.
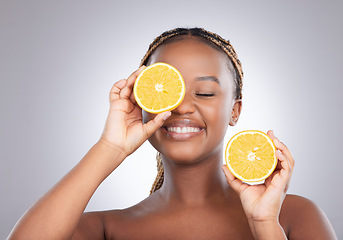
115,90
127,90
123,88
285,161
282,147
285,169
131,80
152,126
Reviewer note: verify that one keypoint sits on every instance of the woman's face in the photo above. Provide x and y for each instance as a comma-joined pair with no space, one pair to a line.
196,128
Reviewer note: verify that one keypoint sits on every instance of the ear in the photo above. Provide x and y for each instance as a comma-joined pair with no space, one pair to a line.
236,112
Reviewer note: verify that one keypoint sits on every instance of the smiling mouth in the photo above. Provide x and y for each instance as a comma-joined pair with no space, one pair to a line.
183,129
182,133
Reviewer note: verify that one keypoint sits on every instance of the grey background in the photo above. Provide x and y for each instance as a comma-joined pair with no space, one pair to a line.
59,59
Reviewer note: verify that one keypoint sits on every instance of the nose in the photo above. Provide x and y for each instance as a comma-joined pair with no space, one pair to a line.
186,107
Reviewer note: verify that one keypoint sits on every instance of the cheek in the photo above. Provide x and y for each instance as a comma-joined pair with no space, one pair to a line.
218,112
221,119
215,114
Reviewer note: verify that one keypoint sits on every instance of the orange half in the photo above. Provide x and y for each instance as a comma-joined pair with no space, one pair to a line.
159,87
250,156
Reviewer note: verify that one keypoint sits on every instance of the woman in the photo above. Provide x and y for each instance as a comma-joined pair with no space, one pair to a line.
196,200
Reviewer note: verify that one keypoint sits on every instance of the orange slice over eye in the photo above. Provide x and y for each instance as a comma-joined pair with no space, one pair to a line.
159,88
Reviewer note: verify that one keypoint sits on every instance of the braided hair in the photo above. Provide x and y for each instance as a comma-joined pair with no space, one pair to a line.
211,39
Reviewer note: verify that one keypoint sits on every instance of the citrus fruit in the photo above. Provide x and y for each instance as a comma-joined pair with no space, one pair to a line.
250,156
159,87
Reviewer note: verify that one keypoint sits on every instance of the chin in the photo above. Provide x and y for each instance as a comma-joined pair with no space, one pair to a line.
191,151
184,154
182,158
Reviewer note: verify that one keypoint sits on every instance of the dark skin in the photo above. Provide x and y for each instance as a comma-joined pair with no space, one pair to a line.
299,217
197,200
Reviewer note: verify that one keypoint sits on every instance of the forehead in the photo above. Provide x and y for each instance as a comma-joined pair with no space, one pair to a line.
192,52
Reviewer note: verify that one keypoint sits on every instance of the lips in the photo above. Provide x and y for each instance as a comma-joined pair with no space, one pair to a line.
182,129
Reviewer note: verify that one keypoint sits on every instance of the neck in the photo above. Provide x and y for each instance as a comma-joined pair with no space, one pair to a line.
194,183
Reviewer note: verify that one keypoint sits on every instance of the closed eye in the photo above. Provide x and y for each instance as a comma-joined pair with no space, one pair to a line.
205,94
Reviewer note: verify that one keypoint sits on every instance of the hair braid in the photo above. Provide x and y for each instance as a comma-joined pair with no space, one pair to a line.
160,174
216,40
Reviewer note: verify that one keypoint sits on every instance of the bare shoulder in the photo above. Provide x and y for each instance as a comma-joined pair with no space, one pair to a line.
111,224
303,219
90,226
99,224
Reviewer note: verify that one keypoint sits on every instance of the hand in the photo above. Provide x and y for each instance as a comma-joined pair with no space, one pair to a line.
124,128
263,202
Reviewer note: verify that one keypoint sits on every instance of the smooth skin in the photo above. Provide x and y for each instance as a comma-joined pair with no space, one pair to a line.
196,201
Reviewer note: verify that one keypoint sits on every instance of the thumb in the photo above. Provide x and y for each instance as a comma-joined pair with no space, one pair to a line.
156,123
237,185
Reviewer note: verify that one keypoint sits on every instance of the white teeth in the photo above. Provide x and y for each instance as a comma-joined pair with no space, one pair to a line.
183,129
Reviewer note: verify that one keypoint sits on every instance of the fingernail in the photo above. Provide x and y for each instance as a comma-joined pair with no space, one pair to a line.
167,115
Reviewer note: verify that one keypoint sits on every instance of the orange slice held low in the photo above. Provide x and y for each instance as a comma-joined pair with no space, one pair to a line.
159,88
250,156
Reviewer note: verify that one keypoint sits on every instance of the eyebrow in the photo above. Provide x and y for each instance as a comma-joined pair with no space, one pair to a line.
208,78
